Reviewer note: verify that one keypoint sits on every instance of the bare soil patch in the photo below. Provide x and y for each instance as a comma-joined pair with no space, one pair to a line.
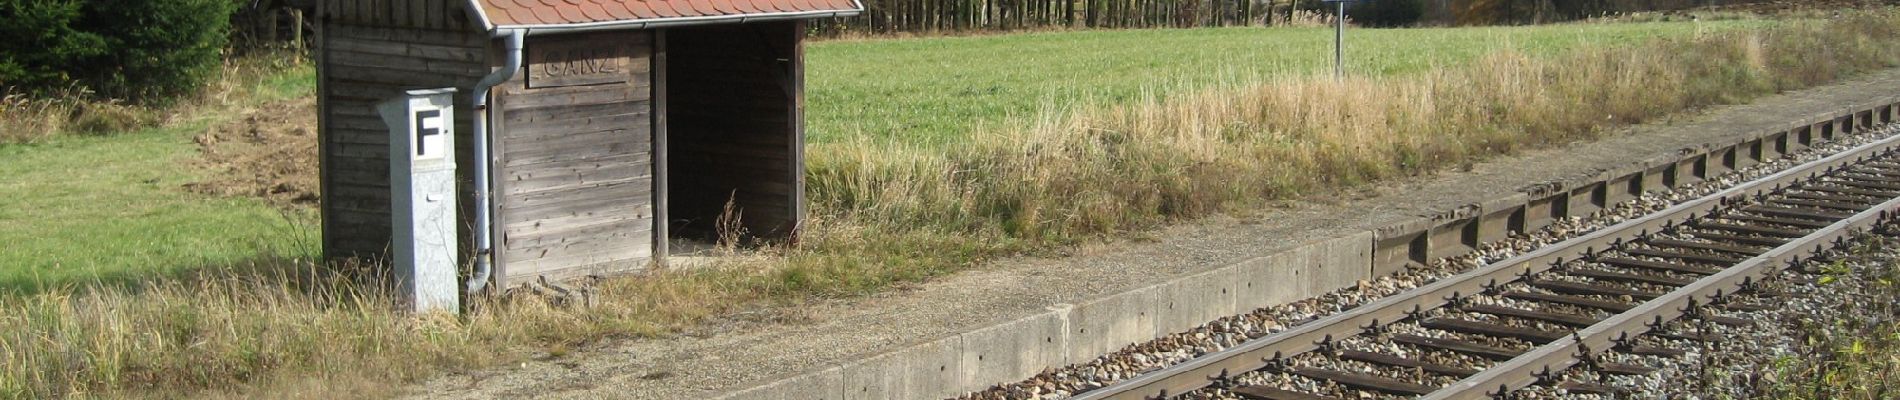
270,152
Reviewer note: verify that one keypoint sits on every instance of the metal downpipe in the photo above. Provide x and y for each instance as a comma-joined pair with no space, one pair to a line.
484,240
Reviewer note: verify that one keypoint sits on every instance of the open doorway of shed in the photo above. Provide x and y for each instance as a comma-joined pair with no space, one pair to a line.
734,144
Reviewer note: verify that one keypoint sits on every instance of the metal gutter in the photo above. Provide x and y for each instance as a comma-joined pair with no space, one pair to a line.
678,21
482,16
484,190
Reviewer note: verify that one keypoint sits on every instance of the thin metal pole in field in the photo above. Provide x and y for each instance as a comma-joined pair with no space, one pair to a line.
1339,43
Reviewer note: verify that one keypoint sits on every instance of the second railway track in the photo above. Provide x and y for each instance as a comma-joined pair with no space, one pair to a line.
1516,322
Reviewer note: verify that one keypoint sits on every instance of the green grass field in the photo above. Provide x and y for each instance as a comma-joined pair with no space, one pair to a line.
937,90
111,208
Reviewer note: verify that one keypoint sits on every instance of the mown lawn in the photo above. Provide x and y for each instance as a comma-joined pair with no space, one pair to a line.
938,90
113,209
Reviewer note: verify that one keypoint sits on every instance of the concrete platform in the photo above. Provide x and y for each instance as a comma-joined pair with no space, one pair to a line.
1015,317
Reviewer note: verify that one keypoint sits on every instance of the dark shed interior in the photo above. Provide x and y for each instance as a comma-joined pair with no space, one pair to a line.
734,95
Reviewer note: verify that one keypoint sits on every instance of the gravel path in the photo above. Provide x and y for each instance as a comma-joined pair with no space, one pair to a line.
1230,331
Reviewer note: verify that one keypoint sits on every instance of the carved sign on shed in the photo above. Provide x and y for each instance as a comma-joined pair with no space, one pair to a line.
578,62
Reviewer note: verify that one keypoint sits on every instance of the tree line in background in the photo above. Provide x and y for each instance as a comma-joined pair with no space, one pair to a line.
144,50
924,16
153,50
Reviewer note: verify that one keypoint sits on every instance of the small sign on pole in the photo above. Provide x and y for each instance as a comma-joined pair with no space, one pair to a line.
1339,38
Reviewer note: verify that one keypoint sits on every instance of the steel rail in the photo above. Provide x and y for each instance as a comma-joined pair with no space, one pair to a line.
1526,369
1208,369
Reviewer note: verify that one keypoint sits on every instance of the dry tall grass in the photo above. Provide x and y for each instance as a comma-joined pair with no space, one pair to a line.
1102,171
887,213
31,118
26,119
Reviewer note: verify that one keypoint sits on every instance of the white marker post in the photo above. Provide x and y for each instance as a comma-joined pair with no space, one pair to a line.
422,198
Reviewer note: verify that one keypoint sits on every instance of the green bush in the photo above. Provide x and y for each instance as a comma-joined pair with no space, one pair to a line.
42,43
1377,13
1387,13
144,51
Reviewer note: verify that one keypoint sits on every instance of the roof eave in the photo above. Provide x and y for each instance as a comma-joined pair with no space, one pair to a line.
481,15
650,23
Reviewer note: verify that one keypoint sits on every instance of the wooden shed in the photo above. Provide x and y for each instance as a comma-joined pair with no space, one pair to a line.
589,133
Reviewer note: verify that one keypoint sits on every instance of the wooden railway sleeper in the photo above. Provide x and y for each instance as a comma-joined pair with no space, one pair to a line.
1545,316
1795,212
1798,223
1750,251
1591,388
1591,289
1257,392
1695,337
1606,305
1852,191
1742,239
1866,177
1765,231
1654,351
1802,200
1624,277
1365,381
1723,320
1492,329
1403,362
1491,352
1654,265
1812,193
1685,256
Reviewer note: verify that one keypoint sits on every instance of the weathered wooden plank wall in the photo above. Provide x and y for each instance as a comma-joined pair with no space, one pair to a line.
367,57
574,136
440,15
734,95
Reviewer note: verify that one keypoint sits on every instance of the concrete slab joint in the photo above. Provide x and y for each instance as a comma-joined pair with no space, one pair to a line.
1400,244
1015,350
825,384
1196,299
1107,323
929,370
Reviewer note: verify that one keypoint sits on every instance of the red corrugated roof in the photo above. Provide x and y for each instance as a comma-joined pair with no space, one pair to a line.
520,13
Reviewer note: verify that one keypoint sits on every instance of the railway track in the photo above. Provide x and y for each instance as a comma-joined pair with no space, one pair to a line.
1520,321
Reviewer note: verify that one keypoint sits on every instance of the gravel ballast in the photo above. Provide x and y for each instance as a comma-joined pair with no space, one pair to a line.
1228,332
